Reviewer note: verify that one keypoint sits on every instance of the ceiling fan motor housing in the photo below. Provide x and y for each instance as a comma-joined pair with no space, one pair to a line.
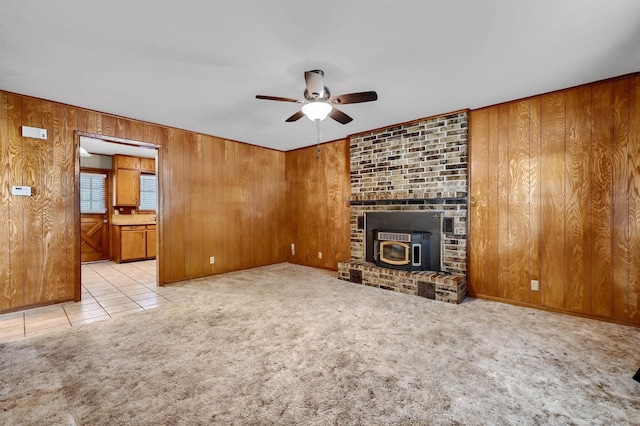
315,89
325,95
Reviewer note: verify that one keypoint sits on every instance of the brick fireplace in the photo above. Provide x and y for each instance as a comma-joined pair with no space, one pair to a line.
418,166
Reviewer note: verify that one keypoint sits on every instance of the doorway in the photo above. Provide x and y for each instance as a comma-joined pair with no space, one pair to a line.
103,219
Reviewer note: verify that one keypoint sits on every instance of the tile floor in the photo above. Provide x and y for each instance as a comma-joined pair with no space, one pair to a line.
108,289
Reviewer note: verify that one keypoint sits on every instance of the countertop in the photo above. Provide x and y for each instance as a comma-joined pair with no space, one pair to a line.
133,219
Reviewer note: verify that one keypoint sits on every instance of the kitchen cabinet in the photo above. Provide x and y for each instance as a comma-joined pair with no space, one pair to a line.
134,242
126,176
126,162
127,187
148,165
151,241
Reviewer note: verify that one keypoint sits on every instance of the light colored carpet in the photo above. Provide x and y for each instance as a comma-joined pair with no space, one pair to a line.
287,344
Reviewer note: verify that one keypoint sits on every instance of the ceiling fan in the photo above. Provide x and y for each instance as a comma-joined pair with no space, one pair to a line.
318,102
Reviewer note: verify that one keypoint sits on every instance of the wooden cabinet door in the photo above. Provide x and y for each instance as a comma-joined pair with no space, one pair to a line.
148,165
127,187
133,244
126,162
151,242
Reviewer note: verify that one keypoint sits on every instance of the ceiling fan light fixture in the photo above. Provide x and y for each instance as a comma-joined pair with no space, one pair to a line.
316,110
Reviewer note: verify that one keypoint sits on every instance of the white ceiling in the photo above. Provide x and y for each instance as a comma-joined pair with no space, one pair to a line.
197,65
102,147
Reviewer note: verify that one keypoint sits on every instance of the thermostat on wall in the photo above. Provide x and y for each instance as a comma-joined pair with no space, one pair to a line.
21,190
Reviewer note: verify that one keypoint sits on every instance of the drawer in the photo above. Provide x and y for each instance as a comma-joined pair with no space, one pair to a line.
151,227
132,227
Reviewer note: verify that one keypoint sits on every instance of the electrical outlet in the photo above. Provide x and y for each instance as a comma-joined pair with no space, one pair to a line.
535,285
293,249
319,255
212,260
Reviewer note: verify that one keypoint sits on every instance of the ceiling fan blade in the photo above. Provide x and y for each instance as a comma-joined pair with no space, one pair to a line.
354,98
276,98
315,83
295,117
340,116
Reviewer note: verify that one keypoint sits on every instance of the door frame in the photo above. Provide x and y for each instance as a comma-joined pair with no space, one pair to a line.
77,260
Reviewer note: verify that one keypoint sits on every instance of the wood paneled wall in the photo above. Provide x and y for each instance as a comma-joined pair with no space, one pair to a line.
39,251
317,206
555,197
34,244
222,199
217,198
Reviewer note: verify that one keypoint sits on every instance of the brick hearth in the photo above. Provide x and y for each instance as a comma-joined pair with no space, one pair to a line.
432,285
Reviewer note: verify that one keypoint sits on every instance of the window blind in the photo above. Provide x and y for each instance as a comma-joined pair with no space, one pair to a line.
92,193
148,192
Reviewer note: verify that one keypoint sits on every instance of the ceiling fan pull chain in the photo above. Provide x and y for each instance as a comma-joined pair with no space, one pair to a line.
317,139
